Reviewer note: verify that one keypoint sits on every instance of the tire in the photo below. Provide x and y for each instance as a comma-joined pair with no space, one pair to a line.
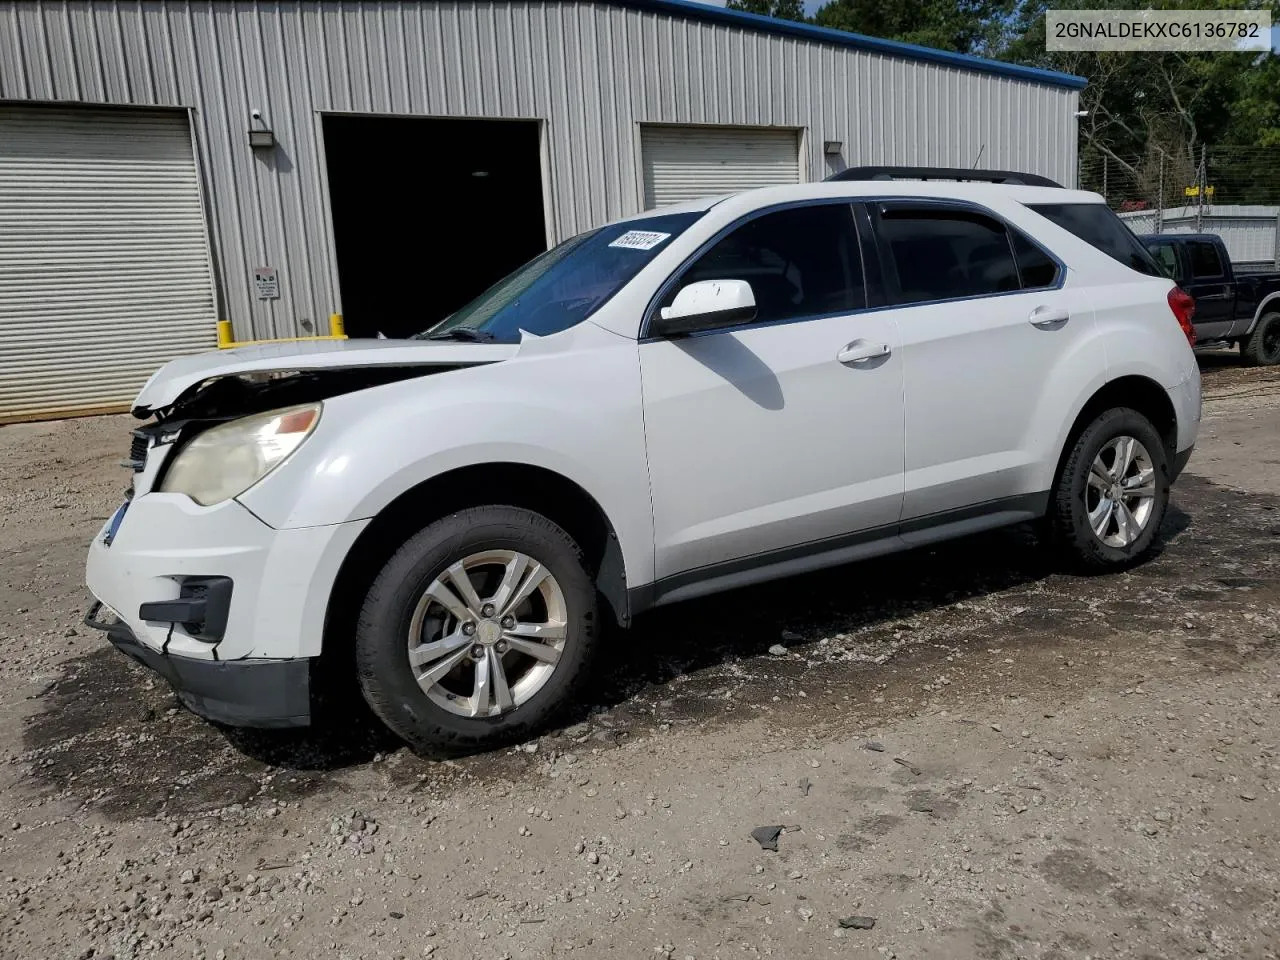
438,717
1262,347
1076,493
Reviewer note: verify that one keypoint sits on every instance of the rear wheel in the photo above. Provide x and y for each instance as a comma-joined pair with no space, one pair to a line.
1113,491
478,631
1262,347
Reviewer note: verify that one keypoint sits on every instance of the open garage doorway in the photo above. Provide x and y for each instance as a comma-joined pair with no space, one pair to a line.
427,213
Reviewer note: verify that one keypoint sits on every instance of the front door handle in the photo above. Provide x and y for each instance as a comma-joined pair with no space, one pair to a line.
1049,318
860,351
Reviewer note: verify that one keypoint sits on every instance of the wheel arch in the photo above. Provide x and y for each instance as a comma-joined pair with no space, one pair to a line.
1271,300
544,491
1137,392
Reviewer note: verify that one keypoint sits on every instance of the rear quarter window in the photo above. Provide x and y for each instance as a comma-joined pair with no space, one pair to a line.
1095,224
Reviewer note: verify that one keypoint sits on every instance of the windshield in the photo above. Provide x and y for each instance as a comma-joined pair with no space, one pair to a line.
565,285
1095,224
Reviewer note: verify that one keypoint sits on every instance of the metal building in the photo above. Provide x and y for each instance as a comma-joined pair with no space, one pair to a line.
168,163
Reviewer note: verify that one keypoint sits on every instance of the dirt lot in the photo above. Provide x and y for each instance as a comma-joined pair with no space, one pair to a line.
989,758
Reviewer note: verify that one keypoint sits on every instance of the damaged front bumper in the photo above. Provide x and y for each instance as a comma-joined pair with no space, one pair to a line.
240,693
228,609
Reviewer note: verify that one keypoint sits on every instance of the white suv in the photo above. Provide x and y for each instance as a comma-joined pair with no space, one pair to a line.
697,399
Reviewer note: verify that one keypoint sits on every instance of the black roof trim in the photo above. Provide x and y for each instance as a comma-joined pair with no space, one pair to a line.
1010,177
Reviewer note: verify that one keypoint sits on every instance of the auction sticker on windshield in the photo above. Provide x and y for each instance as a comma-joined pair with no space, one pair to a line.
640,239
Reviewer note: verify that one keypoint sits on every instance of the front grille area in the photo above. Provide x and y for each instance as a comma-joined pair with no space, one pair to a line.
138,451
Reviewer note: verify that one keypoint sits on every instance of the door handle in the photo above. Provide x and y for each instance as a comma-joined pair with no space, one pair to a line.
1049,318
860,351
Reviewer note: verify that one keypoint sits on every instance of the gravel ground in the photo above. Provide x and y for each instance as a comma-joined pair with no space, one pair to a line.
968,753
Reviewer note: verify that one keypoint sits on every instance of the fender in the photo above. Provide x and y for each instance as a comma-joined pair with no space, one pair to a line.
1073,396
1262,308
576,413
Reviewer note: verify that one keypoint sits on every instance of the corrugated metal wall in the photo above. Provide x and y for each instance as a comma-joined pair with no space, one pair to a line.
591,71
1251,233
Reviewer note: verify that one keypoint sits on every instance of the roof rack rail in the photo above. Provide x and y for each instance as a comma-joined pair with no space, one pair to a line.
1010,177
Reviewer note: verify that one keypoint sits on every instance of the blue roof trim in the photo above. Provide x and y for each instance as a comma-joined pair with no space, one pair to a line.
893,48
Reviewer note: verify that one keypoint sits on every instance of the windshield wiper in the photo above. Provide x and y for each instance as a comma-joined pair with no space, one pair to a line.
460,333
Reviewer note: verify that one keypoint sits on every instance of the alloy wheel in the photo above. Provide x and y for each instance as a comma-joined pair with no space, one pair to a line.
487,633
1120,495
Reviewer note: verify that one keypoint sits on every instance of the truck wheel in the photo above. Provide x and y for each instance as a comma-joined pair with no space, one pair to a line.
1112,494
478,631
1262,348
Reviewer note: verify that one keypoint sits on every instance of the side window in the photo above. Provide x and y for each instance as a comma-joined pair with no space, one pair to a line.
943,254
1205,262
1095,224
801,261
1036,268
1166,258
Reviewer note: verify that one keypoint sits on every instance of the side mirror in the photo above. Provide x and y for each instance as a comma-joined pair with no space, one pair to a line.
707,305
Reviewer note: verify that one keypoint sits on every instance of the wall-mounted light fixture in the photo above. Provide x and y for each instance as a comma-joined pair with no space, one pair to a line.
260,139
832,148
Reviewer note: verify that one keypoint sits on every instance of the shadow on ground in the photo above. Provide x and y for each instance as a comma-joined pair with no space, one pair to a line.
112,735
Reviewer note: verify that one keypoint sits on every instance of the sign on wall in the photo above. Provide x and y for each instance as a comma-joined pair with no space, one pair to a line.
267,283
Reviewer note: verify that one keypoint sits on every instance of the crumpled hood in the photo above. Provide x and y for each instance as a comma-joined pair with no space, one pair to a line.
175,378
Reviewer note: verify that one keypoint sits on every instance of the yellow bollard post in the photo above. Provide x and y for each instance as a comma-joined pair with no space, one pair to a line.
225,336
336,328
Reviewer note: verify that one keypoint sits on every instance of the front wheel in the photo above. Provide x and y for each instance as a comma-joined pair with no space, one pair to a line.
478,631
1262,347
1113,491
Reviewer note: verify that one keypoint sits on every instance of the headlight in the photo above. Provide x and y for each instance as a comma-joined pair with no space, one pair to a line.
227,460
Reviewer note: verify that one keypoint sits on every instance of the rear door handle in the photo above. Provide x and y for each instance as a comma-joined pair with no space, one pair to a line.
860,351
1047,318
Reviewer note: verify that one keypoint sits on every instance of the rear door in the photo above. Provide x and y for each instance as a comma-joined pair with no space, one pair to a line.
1210,286
986,323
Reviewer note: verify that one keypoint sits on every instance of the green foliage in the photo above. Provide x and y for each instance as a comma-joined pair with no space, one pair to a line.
784,9
1147,112
964,26
1152,111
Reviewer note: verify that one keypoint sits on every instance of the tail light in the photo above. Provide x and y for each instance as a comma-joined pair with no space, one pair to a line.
1184,308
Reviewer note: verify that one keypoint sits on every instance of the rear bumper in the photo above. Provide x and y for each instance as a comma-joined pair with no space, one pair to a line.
240,693
1186,401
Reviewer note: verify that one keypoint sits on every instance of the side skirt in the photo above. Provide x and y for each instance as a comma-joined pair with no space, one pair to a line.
834,551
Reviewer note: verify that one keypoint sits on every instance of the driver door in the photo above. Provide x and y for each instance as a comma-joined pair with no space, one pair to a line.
781,438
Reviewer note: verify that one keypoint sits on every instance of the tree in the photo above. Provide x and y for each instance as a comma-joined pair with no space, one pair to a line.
783,9
964,26
1148,116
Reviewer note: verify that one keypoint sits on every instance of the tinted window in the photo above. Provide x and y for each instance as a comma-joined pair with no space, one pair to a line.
1035,266
1165,256
939,255
565,285
800,262
1204,258
1095,224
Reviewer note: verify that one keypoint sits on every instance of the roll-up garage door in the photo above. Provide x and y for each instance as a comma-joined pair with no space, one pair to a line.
688,163
104,257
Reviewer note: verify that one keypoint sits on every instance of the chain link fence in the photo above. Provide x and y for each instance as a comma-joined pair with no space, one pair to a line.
1233,192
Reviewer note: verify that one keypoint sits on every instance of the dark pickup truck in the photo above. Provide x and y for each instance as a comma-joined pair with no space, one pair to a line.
1239,308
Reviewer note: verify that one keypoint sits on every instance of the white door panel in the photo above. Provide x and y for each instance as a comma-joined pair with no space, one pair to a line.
760,438
982,404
